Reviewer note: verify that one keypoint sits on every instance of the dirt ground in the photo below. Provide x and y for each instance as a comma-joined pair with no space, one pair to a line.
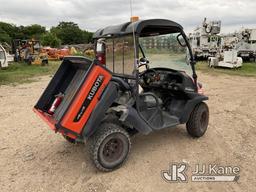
33,158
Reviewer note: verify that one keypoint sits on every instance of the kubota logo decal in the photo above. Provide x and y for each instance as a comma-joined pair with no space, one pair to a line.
90,96
95,87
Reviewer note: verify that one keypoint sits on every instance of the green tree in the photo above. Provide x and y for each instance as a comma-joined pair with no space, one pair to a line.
4,37
50,39
87,37
33,31
7,32
67,32
70,33
10,31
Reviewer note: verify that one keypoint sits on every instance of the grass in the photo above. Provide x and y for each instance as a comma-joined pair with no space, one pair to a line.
248,69
22,72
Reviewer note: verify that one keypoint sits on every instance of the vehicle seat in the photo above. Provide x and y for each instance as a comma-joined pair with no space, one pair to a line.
150,100
149,107
122,84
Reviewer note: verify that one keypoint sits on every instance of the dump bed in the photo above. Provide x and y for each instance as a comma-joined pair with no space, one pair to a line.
80,81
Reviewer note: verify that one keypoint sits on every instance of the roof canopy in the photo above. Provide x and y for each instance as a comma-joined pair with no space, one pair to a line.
141,28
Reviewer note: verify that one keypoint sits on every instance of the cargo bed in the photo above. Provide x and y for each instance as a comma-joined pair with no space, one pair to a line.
73,80
67,80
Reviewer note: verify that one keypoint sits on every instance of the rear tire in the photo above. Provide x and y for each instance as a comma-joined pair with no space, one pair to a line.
198,121
109,146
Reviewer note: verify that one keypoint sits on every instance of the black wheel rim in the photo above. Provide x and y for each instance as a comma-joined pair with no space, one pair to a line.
113,150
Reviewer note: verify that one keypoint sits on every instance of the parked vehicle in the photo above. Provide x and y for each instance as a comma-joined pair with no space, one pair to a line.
8,50
3,58
246,46
127,89
205,40
29,51
226,59
55,54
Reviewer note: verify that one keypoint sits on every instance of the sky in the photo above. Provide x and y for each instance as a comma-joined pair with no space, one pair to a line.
94,14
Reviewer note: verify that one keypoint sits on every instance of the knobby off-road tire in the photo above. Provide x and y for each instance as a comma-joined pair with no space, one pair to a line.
109,146
198,121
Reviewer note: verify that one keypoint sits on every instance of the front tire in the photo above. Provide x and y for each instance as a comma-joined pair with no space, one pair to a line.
198,121
109,146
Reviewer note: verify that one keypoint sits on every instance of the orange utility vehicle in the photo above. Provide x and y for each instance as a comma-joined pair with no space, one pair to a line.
131,87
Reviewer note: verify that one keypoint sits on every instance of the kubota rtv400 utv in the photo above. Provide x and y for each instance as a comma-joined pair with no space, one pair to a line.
141,81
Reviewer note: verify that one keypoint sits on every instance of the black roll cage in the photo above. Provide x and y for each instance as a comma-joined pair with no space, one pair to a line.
145,28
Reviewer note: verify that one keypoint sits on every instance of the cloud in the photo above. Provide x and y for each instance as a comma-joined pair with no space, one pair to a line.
91,14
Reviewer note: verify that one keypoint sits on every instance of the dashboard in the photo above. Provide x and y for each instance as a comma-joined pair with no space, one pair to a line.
168,79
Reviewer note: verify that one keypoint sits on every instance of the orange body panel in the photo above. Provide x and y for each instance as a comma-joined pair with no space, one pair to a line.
56,54
51,122
68,120
63,53
47,118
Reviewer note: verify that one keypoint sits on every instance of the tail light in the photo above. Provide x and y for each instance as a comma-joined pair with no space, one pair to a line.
101,51
101,58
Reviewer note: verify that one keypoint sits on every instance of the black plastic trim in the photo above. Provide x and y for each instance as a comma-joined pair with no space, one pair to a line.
190,105
133,118
59,128
107,98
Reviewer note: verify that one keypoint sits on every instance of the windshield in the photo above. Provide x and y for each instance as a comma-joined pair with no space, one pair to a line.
165,51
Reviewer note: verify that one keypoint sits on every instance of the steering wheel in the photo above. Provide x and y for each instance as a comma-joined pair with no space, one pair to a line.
148,75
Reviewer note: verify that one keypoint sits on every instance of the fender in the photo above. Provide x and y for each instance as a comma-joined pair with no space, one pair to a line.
190,105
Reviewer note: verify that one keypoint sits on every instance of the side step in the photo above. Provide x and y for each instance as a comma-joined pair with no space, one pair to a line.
168,121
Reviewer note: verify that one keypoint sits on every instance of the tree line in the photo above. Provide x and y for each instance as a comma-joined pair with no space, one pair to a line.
65,33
